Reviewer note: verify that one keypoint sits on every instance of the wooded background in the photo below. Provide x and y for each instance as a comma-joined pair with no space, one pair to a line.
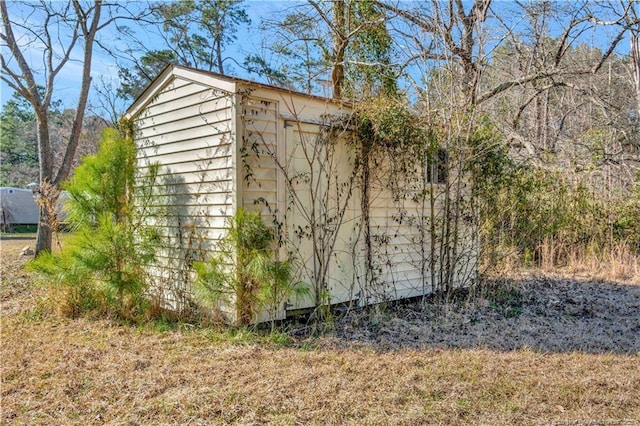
542,99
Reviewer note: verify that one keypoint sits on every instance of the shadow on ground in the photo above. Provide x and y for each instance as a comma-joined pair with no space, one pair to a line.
546,314
539,313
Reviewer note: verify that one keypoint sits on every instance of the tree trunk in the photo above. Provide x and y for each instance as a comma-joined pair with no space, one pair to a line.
218,43
44,239
45,157
46,199
635,66
339,48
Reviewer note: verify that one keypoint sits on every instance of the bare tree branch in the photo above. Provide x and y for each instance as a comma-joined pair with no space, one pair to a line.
62,29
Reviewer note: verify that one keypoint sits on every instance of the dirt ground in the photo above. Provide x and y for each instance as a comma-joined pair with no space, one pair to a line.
542,350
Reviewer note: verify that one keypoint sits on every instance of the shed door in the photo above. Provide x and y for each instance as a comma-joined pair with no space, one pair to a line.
321,226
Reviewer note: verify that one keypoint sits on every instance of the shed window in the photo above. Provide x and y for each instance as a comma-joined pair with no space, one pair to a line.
436,168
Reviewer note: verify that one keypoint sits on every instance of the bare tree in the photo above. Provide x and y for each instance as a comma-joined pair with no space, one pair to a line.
538,77
62,31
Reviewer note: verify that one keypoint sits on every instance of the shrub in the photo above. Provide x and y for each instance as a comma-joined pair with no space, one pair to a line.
540,215
243,272
545,219
101,263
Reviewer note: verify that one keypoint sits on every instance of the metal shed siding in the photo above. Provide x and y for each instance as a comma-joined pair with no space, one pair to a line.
17,206
188,129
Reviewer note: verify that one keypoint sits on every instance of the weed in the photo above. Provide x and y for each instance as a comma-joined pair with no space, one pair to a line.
279,338
504,297
307,346
163,325
34,315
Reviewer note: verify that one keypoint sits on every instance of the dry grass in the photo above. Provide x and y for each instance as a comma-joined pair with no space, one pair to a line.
616,263
59,371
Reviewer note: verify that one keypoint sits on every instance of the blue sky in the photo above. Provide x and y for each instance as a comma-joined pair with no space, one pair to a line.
104,67
249,41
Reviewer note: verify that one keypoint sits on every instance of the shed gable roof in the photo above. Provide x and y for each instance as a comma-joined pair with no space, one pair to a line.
172,72
208,78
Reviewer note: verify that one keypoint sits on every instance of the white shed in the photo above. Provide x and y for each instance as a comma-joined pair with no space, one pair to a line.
224,143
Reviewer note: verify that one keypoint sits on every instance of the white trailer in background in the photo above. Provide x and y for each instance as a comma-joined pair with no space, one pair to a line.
18,207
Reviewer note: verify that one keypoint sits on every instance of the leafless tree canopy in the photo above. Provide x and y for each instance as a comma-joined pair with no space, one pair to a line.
66,34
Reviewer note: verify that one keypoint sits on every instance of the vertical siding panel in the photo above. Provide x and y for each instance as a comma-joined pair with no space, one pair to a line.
258,171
